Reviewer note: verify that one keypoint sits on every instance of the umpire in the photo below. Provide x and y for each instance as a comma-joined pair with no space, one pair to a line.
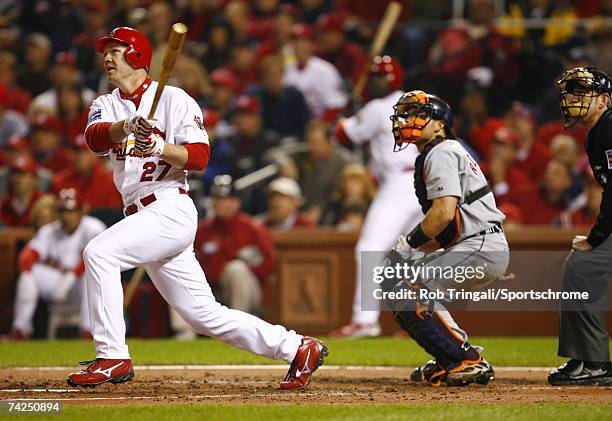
585,98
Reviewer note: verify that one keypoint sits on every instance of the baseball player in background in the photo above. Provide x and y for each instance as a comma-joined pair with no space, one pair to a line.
585,99
51,264
395,209
150,160
461,217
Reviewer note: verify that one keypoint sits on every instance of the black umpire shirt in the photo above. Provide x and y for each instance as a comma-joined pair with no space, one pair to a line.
598,146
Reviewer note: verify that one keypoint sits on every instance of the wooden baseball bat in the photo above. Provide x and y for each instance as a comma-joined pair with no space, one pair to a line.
394,9
130,290
175,43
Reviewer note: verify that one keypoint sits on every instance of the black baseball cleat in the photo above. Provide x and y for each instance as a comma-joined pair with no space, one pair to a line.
424,372
582,373
479,372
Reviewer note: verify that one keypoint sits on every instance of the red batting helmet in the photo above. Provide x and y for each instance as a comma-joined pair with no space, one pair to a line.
385,65
139,50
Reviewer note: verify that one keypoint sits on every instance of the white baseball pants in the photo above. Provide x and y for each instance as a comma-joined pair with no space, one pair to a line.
42,282
394,211
160,237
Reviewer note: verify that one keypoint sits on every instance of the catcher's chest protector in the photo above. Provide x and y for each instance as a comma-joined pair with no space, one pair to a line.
451,232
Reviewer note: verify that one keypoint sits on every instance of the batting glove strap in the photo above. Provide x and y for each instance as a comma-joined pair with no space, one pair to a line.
153,146
139,126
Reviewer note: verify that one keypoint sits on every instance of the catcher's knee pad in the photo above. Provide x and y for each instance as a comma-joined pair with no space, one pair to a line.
430,331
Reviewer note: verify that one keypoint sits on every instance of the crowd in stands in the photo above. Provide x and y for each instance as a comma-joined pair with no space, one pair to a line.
273,77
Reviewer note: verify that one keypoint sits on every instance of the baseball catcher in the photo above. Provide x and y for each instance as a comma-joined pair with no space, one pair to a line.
462,229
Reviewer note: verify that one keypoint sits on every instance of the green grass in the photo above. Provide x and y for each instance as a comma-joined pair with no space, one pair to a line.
381,351
339,412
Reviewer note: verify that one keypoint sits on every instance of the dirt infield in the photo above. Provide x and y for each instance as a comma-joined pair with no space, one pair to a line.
260,385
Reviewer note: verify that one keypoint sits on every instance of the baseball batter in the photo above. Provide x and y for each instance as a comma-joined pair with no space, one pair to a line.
462,218
150,159
395,209
51,265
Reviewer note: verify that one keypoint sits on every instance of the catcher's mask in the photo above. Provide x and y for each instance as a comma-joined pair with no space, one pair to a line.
577,88
413,111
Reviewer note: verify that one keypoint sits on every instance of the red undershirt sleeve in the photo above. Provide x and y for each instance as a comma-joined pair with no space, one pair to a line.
80,269
27,257
198,155
97,137
341,135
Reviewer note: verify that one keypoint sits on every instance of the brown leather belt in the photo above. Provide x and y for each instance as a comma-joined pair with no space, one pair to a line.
145,201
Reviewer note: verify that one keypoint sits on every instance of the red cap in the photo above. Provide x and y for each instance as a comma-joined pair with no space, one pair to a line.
505,135
69,199
225,78
246,104
301,30
24,164
211,118
389,67
139,51
330,22
46,122
18,144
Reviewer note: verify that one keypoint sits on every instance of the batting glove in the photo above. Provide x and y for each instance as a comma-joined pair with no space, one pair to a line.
403,248
139,126
152,146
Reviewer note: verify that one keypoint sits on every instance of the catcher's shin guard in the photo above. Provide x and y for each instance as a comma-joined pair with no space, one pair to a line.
430,331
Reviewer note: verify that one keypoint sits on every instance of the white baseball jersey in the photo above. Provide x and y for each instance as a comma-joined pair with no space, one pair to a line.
178,121
320,83
372,124
62,250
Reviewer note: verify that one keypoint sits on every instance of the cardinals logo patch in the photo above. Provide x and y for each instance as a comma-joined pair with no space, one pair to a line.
198,122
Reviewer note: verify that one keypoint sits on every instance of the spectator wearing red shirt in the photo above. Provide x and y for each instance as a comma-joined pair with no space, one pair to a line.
508,179
348,57
475,43
87,175
225,88
46,136
236,251
284,199
543,206
244,63
16,206
531,155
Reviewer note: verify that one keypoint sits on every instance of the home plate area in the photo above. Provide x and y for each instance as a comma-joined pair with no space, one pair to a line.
259,385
